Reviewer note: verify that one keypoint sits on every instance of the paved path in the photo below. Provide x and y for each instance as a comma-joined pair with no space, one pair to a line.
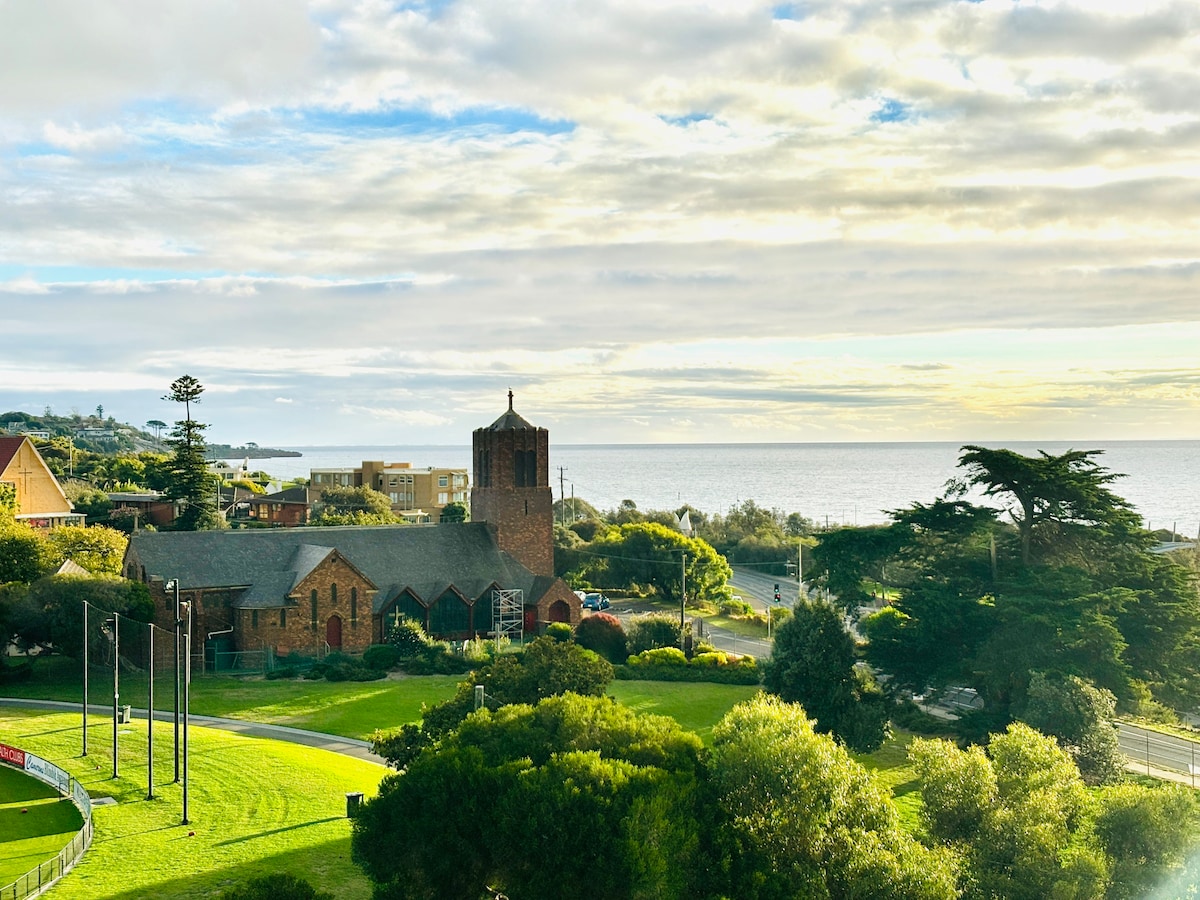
332,742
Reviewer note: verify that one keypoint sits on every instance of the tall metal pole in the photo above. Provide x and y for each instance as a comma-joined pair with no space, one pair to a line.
85,674
150,721
175,585
187,680
116,620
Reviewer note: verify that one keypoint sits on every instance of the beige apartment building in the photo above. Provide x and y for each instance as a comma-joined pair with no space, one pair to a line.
419,495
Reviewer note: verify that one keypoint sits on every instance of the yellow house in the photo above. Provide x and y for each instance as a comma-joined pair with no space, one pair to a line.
41,503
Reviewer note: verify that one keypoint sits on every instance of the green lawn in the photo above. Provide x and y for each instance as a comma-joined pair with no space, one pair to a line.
256,807
695,706
35,823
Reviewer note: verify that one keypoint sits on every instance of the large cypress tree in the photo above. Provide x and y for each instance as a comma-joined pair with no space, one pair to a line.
190,482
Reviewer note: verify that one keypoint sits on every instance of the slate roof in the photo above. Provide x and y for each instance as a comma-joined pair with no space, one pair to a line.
269,563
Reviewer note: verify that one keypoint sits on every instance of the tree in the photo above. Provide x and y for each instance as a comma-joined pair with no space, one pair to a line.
545,668
603,633
24,553
652,555
1080,716
1064,495
53,617
649,632
1021,814
158,425
91,501
1148,833
574,797
354,506
808,821
190,481
455,512
98,549
812,663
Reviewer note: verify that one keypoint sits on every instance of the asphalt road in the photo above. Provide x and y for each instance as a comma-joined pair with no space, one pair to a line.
1159,754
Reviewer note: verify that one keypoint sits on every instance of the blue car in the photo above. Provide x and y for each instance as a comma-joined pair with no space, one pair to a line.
595,601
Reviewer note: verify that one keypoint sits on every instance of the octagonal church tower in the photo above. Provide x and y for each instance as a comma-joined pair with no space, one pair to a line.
511,489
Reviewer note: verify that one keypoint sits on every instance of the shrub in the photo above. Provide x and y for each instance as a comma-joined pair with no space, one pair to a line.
603,633
409,637
381,657
651,631
736,608
280,886
560,631
713,658
478,650
663,656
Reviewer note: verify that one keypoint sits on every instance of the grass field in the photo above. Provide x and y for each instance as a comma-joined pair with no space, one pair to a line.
36,822
256,807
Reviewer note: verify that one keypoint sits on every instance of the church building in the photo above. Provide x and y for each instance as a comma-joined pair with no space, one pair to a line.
314,590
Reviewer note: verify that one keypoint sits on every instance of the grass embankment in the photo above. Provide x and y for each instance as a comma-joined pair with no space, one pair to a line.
256,806
36,822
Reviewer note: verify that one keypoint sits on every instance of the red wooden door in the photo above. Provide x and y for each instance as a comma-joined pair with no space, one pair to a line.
333,632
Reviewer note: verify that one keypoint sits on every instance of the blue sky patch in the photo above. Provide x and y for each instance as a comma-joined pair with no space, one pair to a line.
689,119
891,110
418,121
790,11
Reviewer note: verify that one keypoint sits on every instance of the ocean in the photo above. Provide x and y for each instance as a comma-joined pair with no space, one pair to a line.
830,483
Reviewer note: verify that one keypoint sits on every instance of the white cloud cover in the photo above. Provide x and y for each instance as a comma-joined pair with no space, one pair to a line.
364,221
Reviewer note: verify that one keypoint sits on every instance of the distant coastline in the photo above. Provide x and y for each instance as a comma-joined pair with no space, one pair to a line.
225,451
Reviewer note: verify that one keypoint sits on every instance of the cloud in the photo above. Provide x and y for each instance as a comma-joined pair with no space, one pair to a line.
624,210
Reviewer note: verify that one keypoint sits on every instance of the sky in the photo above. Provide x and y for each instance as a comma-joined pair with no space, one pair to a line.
364,222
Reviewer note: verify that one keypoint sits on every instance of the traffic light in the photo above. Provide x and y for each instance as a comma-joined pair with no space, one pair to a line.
777,592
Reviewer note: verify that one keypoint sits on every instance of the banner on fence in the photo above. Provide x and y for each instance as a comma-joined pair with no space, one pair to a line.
12,755
48,772
80,795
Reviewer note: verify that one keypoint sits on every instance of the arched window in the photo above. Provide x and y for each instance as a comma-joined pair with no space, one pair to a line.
333,594
313,599
353,606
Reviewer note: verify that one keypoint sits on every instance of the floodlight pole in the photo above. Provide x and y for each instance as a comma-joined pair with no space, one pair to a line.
116,634
85,674
187,680
173,585
150,721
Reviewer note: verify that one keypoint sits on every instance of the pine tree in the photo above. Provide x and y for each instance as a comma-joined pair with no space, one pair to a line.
190,482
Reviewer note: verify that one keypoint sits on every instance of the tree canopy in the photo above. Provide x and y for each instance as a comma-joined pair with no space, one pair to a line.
1059,581
812,663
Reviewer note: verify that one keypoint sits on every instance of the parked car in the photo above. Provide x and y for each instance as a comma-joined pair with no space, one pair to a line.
596,601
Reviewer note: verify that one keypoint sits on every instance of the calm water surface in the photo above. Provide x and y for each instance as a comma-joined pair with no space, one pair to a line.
850,483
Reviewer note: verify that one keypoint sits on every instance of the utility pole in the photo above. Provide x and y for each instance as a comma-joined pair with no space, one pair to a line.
563,496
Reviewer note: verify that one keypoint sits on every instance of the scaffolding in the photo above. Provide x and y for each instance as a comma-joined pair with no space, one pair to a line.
508,615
